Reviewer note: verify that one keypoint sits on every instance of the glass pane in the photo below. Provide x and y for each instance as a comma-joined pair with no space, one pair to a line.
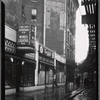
10,74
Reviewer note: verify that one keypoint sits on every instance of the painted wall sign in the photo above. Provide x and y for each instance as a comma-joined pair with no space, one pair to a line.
10,46
45,51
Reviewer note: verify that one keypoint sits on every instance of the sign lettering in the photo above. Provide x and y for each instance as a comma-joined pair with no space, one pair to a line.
46,51
10,46
47,60
30,56
23,35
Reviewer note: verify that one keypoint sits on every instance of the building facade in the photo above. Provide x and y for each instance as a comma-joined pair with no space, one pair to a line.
25,70
71,7
54,22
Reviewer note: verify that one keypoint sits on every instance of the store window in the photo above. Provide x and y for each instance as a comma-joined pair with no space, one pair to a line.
33,14
50,75
28,74
41,74
60,73
10,73
45,74
68,37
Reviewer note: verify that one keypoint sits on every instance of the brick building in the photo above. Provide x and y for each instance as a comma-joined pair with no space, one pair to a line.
24,69
54,21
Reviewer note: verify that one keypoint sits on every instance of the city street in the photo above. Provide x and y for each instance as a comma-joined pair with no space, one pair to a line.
42,42
57,93
46,94
88,94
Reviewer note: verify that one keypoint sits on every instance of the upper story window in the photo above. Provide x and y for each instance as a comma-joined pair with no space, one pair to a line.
68,36
34,13
70,39
71,6
34,1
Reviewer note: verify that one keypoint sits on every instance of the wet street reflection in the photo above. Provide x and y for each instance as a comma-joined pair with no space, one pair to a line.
88,94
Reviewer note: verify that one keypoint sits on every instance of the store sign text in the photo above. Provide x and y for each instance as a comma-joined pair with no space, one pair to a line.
23,35
26,37
47,60
10,46
30,56
46,51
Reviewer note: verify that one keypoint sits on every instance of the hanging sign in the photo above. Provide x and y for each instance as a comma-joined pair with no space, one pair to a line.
26,38
23,35
32,35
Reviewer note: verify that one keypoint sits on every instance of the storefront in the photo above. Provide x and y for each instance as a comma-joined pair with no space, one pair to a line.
9,63
20,63
26,51
46,66
27,68
19,73
60,69
60,72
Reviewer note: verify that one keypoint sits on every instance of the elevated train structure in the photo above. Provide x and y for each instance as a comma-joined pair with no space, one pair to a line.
90,65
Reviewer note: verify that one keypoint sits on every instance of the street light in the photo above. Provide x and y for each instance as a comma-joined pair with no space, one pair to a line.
11,59
22,62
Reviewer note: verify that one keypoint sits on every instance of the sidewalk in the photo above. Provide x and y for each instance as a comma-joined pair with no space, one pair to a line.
48,94
43,94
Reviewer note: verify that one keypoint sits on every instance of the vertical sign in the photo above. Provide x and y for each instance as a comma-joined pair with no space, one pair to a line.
23,35
32,35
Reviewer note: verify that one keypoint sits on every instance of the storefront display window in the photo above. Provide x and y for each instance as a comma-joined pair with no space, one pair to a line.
28,74
51,75
60,73
10,73
46,72
41,74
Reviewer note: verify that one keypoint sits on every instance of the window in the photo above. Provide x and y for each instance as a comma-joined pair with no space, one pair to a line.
34,13
23,10
68,36
68,19
71,6
10,73
34,1
28,74
70,39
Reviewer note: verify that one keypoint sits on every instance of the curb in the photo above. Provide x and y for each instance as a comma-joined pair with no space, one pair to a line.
76,94
72,95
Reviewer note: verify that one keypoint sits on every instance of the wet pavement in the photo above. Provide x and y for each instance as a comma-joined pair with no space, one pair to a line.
88,94
57,93
46,94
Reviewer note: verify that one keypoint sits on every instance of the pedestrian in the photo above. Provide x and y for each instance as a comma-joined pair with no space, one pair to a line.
55,82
